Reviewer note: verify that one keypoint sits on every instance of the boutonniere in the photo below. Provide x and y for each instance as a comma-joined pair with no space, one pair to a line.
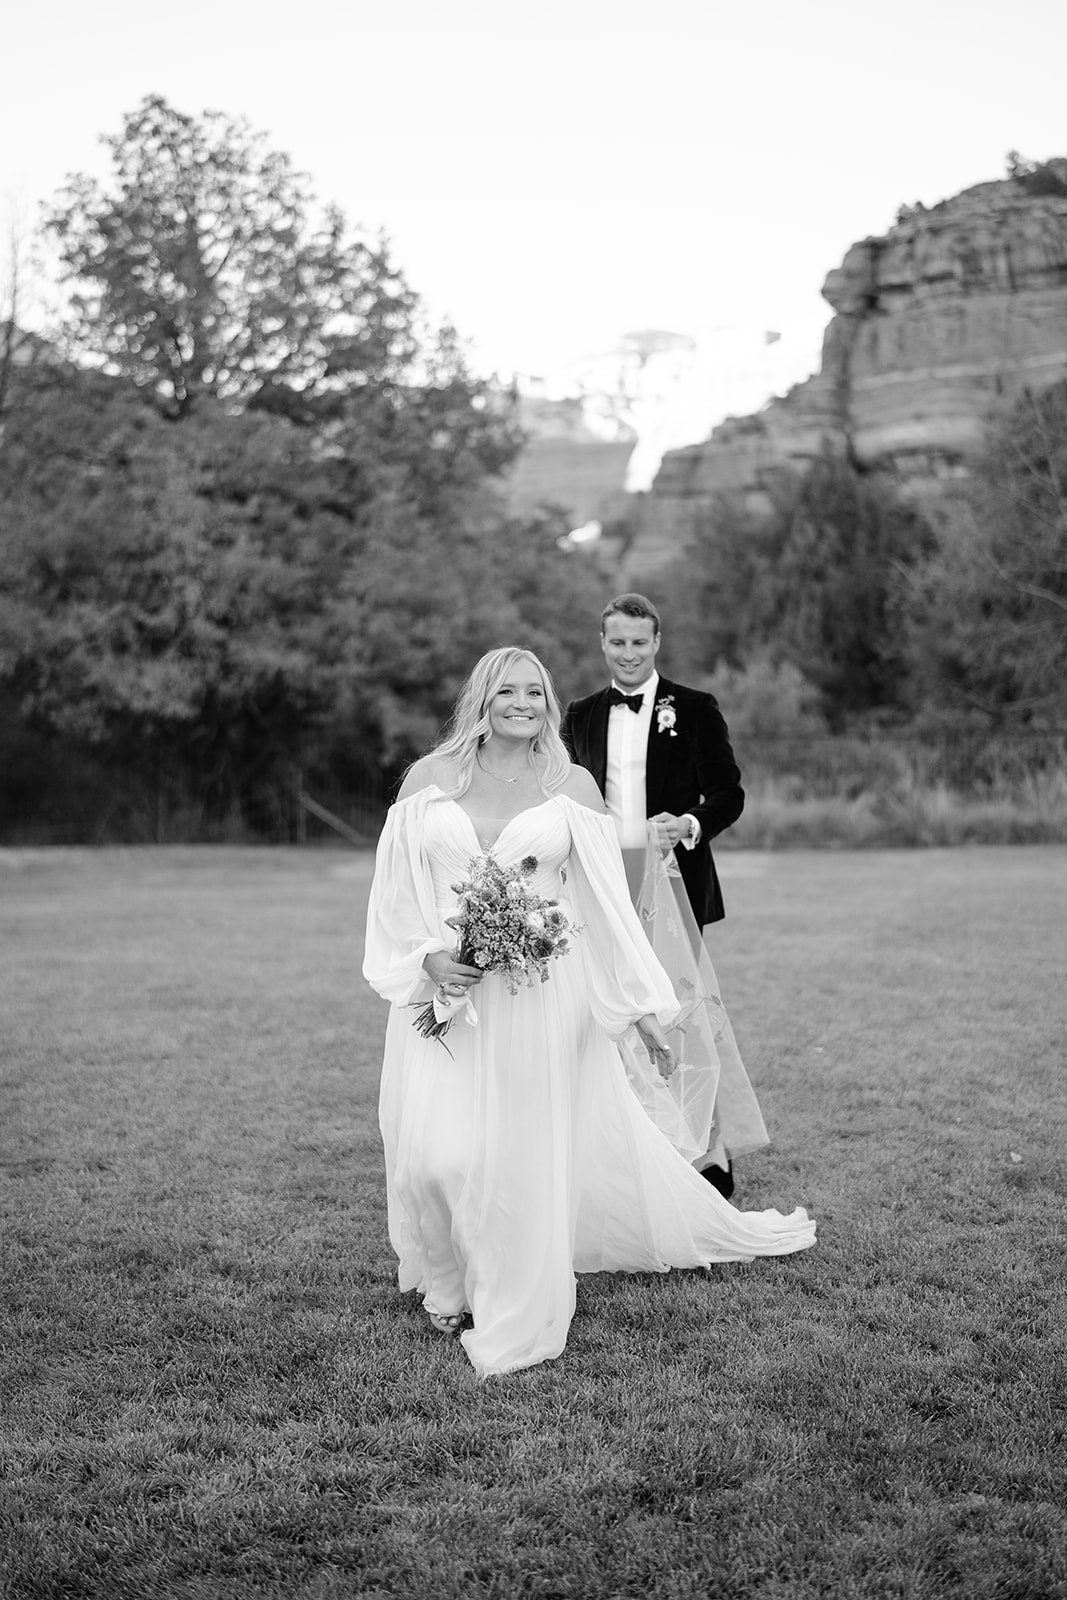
665,715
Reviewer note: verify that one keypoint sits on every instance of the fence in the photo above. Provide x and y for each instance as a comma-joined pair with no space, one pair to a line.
71,798
49,796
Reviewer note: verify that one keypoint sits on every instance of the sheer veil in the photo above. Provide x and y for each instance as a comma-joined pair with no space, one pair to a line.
707,1108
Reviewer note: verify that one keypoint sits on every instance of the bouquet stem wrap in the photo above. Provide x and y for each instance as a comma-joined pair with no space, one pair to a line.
449,1006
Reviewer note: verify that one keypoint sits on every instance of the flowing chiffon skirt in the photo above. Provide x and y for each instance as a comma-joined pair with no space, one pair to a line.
524,1155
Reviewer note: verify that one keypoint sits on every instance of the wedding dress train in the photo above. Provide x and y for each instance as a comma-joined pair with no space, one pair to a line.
522,1154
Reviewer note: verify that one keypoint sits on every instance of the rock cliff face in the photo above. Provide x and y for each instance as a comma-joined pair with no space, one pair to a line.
937,324
564,463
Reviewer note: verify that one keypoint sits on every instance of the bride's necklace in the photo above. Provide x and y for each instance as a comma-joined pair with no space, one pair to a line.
493,775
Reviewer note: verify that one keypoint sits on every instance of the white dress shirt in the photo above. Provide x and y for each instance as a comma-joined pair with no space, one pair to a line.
624,779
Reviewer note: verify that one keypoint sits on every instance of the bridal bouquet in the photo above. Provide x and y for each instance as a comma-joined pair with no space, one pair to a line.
503,927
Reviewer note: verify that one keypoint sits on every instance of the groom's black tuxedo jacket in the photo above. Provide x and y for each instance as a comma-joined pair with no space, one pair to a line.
692,771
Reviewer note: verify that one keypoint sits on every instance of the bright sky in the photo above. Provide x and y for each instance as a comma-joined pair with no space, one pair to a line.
553,175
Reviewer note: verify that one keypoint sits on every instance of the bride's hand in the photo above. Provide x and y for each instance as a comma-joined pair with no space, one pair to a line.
655,1042
451,976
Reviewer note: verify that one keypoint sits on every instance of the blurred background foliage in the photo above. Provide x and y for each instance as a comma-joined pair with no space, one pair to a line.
255,531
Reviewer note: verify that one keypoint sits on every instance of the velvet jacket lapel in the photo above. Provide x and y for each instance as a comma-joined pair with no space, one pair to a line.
598,738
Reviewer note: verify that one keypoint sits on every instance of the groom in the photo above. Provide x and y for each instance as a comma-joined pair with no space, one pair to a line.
660,753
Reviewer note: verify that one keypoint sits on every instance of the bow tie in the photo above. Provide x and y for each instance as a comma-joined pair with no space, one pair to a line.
617,698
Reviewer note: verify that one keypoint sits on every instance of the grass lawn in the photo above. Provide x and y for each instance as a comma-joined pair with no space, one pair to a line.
211,1387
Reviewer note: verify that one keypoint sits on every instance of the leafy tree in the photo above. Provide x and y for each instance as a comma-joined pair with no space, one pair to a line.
199,269
215,594
317,539
429,597
814,582
19,289
304,549
988,622
767,698
712,597
844,543
167,589
427,442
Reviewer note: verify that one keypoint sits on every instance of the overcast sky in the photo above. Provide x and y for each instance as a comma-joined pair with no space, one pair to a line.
555,175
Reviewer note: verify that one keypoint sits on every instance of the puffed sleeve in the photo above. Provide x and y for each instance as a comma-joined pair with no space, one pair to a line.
626,981
403,923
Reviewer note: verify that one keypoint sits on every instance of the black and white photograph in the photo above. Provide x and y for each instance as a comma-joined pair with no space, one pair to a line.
533,801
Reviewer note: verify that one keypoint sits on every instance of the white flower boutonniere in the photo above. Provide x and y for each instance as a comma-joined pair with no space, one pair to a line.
665,716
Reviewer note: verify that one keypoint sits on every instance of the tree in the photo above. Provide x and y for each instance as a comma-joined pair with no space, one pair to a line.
767,699
198,269
18,347
216,593
9,310
428,597
426,441
813,582
304,549
989,618
168,589
712,596
842,548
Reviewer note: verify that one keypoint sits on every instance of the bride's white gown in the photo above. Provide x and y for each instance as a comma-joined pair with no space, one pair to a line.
525,1155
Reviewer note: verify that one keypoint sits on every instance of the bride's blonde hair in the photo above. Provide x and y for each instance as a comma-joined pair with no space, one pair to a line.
469,726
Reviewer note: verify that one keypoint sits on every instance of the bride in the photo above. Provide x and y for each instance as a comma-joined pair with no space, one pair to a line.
517,1151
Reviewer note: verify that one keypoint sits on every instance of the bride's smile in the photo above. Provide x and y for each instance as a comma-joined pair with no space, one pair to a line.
518,709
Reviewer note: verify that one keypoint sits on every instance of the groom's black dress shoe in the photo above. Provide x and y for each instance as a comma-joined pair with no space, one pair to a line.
721,1178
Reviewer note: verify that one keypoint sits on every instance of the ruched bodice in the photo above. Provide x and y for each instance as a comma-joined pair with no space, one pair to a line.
452,839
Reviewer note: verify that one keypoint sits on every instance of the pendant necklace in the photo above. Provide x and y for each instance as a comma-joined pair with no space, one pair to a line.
493,775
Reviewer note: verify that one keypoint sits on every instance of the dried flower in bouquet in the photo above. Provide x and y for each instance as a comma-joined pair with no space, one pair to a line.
503,927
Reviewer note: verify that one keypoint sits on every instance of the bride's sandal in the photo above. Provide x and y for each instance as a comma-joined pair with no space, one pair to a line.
450,1323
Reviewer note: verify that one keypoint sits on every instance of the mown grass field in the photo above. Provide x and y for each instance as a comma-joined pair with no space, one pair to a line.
212,1388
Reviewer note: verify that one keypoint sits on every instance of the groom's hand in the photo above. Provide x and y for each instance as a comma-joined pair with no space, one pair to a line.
670,829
